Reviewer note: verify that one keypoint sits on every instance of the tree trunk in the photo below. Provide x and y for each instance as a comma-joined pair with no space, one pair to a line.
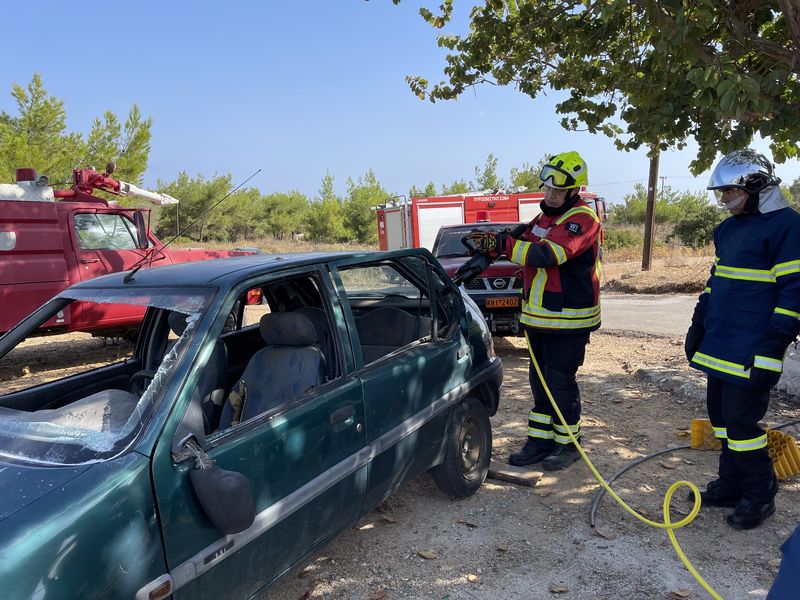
650,217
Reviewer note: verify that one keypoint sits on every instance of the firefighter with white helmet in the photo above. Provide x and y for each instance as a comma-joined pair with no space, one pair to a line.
744,320
559,252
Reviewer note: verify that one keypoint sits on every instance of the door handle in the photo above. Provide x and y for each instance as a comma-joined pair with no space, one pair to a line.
86,261
343,417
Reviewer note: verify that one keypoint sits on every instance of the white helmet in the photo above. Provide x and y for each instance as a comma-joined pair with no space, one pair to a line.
751,171
746,169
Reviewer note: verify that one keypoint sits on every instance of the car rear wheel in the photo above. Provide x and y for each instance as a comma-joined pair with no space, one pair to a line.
467,452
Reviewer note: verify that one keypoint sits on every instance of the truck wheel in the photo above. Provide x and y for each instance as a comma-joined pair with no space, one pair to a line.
468,449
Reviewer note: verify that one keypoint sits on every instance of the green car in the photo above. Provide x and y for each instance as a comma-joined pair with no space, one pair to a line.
264,404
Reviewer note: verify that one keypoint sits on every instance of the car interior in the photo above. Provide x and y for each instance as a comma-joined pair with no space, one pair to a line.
278,345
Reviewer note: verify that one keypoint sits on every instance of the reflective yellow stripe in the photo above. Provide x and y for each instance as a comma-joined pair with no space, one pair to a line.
520,252
720,432
573,428
540,433
561,255
786,311
744,274
770,364
752,444
786,268
526,319
540,418
572,313
723,366
537,286
575,211
706,291
562,439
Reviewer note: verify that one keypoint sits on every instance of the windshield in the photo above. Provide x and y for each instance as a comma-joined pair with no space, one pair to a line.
449,244
74,397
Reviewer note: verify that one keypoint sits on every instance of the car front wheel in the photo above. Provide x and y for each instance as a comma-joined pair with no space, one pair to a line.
467,452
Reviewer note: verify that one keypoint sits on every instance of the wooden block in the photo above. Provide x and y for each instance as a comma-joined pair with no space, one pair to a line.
518,475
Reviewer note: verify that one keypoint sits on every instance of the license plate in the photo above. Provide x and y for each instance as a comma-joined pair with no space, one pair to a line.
502,302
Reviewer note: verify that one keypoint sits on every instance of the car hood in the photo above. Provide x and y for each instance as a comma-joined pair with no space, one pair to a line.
23,485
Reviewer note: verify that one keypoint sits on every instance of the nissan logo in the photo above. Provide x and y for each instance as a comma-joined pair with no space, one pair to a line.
499,283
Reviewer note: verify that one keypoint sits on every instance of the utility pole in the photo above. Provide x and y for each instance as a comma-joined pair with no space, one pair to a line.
650,216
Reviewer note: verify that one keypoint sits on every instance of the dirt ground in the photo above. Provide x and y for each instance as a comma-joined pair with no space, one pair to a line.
516,542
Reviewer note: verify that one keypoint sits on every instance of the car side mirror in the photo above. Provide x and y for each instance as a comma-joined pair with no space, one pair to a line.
225,496
142,241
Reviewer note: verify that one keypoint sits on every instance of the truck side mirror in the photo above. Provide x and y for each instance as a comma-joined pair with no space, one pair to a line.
142,241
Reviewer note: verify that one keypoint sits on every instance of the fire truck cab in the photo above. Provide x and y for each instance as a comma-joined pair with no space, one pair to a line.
52,238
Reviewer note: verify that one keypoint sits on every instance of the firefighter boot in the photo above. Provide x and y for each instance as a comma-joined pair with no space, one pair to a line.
533,451
753,508
749,514
562,457
718,493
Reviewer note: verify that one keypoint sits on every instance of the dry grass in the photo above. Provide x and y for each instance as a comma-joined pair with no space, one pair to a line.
674,269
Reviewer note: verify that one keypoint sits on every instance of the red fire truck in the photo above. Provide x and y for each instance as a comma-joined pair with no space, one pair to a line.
51,238
415,223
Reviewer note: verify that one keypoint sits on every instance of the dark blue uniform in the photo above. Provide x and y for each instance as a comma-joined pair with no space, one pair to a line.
750,310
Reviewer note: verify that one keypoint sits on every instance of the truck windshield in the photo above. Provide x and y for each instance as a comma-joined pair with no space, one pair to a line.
449,245
72,398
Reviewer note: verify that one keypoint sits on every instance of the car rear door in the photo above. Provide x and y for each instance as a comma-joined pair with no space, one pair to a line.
306,463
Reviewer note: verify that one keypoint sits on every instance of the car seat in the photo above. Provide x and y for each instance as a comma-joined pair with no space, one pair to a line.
213,381
385,329
289,366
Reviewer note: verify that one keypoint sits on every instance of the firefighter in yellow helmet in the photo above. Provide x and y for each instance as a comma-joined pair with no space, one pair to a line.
559,251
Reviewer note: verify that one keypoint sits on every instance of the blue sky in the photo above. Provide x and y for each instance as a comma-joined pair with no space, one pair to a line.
297,89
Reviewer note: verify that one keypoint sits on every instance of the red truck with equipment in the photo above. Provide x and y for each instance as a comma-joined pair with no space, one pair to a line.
52,238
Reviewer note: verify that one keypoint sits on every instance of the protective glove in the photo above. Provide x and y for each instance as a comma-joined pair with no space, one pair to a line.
694,337
763,379
773,345
483,242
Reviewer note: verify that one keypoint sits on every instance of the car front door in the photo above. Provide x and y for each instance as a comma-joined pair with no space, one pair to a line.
305,460
408,376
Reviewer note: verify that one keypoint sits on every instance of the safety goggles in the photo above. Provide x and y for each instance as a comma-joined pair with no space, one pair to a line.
556,177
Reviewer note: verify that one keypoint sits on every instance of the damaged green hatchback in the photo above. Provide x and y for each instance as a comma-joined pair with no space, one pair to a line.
264,404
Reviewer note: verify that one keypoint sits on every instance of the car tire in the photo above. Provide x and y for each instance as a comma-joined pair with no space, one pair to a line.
468,449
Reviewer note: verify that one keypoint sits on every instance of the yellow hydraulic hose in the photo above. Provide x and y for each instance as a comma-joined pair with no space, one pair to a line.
667,524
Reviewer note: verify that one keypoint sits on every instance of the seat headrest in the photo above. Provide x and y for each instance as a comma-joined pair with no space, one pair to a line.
288,329
177,322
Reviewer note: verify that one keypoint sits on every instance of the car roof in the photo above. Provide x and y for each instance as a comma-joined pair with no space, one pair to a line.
220,271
